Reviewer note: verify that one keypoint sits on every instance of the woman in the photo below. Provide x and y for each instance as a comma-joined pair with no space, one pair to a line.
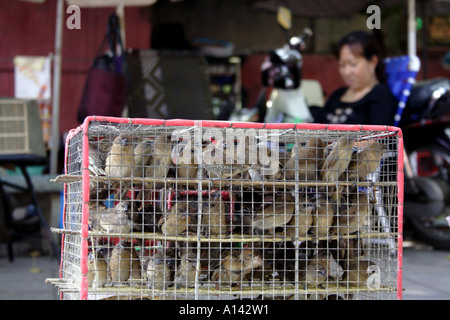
366,99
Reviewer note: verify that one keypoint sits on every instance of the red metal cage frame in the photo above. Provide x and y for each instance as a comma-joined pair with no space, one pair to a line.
222,124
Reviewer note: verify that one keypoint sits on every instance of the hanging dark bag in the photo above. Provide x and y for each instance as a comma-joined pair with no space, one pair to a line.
105,90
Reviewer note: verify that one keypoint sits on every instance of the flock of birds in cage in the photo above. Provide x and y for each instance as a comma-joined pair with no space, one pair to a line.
301,227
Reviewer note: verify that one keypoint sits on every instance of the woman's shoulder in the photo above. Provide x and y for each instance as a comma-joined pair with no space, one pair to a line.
381,88
382,92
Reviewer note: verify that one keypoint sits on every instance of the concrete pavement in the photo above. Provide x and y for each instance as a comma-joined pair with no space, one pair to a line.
426,274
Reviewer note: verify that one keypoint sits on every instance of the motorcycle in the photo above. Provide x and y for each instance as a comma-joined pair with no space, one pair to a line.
281,72
426,131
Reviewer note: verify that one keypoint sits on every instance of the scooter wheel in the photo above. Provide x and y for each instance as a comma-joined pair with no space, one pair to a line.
435,230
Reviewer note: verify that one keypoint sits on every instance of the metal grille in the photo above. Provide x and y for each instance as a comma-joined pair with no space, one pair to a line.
217,210
20,128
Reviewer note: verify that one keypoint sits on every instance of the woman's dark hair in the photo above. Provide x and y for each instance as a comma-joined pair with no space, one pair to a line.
364,44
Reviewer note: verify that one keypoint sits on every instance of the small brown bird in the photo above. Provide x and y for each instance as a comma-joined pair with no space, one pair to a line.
275,215
161,160
352,216
120,159
159,271
214,215
236,265
336,163
98,268
186,271
142,157
309,160
366,161
301,221
185,165
322,218
124,263
358,272
217,165
117,219
324,257
187,170
267,166
96,210
312,274
348,249
178,220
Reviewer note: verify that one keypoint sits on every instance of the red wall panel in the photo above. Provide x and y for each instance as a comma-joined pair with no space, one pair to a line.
29,29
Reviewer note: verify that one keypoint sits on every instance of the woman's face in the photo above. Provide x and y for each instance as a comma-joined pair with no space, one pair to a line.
356,71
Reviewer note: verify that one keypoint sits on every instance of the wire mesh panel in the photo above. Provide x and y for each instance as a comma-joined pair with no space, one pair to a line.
173,209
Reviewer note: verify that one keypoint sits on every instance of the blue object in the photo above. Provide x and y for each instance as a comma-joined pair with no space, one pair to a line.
401,74
109,203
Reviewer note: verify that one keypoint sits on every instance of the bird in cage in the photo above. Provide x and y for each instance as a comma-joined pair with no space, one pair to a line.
186,270
214,215
323,256
96,209
336,162
124,263
98,274
235,265
117,219
350,217
267,166
311,274
307,160
185,165
301,222
322,218
277,214
348,249
159,270
366,161
267,271
179,219
142,157
120,159
161,159
358,272
218,165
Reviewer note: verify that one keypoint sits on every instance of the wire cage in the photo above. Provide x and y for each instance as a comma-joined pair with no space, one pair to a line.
182,209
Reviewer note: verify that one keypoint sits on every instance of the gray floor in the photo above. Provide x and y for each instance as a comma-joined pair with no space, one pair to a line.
426,275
